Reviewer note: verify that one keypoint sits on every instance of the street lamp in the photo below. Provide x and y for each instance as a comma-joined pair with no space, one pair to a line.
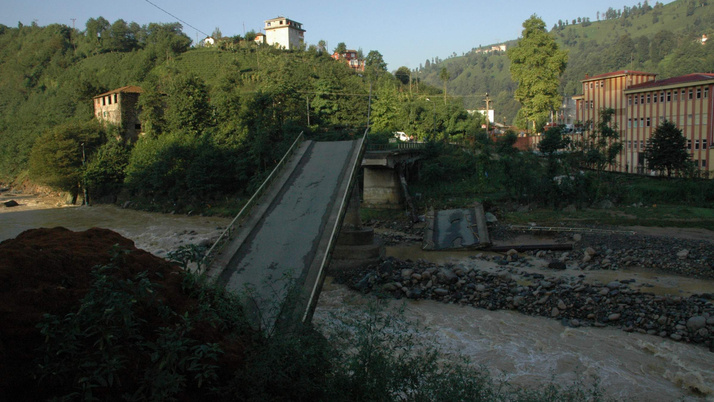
433,132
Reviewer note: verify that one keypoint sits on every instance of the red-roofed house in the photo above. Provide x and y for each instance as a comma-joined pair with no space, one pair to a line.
120,107
350,57
641,103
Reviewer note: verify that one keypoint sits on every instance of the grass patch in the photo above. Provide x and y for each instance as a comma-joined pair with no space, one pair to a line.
657,216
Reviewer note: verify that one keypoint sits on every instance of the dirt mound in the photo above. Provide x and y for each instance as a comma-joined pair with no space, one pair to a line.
50,271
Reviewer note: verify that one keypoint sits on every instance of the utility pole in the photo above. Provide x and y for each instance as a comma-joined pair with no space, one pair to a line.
74,45
487,120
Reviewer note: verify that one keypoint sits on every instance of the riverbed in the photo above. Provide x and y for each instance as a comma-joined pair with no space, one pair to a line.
521,349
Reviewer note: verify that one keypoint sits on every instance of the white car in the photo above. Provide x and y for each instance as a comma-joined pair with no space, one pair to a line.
402,136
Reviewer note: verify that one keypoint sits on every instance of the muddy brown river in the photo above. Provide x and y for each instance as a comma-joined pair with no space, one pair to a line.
521,349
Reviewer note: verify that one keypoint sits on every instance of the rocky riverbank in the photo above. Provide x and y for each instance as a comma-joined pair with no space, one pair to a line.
567,295
570,300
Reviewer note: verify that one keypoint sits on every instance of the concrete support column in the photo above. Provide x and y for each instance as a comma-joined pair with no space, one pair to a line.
382,188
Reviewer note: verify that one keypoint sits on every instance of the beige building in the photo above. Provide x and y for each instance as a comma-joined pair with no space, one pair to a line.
641,103
120,107
284,33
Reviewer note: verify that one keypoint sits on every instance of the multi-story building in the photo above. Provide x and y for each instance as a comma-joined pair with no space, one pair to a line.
641,103
120,107
285,33
351,58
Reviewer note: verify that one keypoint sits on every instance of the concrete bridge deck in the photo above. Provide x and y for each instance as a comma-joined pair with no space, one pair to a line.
279,254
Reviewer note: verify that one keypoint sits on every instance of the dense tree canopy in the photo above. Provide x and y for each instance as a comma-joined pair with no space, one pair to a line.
536,65
666,150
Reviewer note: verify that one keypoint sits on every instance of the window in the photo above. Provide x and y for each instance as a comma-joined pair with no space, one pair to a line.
661,97
676,95
689,144
642,144
705,119
591,85
654,98
696,119
696,163
642,99
591,105
115,98
642,121
597,85
661,119
629,100
696,144
706,92
629,144
104,101
669,96
647,122
704,143
648,98
602,84
704,163
636,123
699,93
629,123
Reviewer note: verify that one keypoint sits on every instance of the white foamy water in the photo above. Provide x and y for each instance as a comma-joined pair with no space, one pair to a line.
529,351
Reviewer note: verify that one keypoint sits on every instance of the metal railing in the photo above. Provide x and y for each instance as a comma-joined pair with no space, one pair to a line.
395,146
227,234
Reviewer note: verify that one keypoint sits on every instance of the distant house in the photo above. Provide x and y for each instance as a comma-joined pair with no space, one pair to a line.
208,41
350,57
259,38
284,33
120,107
494,48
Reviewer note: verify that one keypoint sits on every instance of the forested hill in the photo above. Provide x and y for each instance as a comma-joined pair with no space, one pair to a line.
214,120
662,39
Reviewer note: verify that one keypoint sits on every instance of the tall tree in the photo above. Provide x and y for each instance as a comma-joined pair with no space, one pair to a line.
666,149
341,48
536,65
444,76
374,64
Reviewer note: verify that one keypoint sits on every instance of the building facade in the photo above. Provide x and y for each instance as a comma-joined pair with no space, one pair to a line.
284,33
121,108
351,58
641,103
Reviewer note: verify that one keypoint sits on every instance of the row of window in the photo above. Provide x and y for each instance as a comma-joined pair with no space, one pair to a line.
668,96
642,144
598,84
691,119
107,100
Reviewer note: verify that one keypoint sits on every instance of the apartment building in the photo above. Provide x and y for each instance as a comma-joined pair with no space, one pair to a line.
641,103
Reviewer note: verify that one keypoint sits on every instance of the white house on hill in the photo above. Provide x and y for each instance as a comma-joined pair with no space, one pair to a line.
285,33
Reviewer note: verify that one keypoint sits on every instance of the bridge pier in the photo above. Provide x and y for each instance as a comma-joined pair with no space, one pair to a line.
356,245
382,188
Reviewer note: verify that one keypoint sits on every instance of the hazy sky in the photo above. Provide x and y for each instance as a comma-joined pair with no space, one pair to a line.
404,32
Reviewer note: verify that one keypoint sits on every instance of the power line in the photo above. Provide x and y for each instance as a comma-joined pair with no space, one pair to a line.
177,18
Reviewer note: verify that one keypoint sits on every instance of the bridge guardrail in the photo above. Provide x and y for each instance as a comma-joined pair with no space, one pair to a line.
228,232
395,146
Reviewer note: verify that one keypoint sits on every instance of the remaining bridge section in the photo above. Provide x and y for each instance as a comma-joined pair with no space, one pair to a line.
279,254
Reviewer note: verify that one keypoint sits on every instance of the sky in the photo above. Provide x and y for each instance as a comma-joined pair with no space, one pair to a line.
406,33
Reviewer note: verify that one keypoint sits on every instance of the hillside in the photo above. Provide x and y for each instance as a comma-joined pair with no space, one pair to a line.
664,39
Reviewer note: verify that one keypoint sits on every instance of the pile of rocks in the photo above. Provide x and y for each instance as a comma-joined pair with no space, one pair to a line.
570,300
691,258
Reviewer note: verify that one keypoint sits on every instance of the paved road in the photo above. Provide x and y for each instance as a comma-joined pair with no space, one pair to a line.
282,246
